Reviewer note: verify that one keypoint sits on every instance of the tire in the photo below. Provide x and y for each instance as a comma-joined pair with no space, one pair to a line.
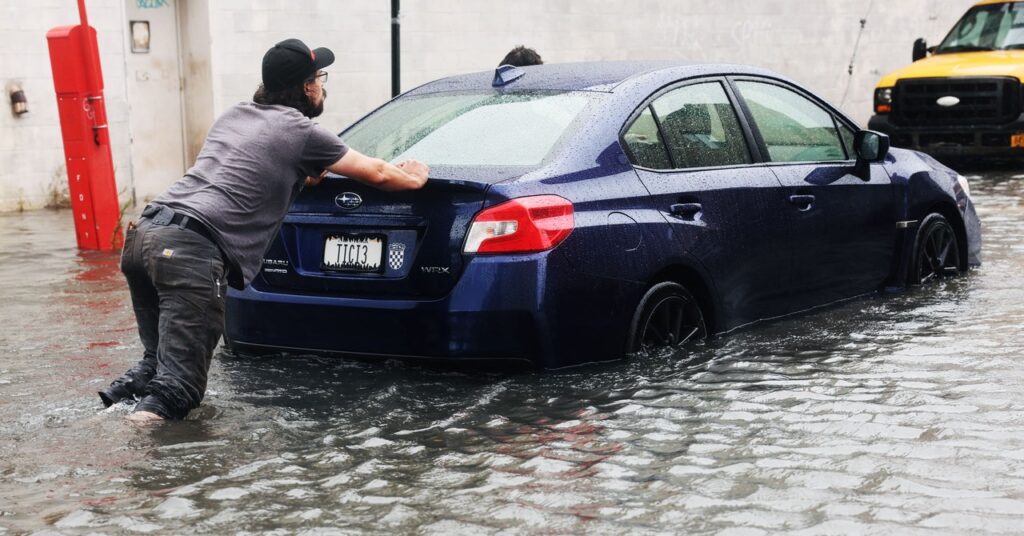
936,252
668,316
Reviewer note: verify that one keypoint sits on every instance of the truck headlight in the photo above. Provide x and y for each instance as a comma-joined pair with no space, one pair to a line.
883,100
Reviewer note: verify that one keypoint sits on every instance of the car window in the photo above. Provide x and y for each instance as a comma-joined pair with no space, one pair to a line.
847,134
700,127
794,128
644,142
469,128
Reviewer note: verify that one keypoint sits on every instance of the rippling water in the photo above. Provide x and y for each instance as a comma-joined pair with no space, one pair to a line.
891,414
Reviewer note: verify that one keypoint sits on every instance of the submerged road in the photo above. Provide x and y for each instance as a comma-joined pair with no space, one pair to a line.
890,414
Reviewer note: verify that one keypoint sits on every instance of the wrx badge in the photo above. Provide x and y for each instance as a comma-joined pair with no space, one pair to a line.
396,256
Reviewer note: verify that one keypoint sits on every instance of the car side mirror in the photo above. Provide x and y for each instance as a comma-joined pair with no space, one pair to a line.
920,49
870,147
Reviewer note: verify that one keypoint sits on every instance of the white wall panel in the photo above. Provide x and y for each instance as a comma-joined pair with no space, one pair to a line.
811,41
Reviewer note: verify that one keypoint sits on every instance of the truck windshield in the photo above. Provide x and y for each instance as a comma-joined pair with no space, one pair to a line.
469,128
988,27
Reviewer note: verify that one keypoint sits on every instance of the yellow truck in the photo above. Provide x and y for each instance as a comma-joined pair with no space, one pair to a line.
963,97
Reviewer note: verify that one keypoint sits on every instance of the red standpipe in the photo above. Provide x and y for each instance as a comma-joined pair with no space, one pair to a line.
78,81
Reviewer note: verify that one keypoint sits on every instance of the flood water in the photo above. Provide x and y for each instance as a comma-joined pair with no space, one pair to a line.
890,414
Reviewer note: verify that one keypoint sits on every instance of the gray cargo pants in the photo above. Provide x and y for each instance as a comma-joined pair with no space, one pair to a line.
177,282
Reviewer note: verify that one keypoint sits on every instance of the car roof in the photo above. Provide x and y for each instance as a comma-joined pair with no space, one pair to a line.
590,76
986,2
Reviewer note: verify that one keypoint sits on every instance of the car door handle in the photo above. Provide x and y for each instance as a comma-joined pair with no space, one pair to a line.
685,211
804,202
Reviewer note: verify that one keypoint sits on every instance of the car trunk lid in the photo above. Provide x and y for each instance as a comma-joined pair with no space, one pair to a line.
348,239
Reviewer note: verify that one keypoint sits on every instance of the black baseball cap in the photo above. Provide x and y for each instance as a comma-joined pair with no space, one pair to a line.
291,62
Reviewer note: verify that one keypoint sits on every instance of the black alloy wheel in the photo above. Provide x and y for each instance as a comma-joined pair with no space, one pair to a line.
936,251
668,316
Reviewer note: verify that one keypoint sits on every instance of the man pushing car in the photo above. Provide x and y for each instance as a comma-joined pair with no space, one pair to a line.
211,228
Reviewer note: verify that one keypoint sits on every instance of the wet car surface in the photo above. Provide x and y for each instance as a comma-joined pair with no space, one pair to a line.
579,212
897,413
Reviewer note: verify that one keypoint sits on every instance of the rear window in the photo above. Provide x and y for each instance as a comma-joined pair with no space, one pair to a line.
469,129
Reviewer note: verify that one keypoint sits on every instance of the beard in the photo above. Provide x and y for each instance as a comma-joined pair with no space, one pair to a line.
315,111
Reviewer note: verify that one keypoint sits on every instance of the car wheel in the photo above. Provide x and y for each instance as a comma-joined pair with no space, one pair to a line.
936,251
668,316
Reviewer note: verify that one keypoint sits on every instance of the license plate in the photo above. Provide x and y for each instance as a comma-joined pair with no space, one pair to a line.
353,253
1017,140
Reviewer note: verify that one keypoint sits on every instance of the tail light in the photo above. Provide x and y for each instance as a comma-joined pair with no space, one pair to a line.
521,225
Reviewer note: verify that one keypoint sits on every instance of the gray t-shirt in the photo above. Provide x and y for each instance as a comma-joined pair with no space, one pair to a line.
252,166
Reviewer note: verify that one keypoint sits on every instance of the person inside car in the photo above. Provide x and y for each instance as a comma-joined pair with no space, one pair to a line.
521,56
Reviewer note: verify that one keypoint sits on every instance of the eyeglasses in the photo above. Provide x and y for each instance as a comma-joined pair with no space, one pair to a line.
322,75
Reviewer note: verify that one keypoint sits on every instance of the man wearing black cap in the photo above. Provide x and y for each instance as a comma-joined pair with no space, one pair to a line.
211,228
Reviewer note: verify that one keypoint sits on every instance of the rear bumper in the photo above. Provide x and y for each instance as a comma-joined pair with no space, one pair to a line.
964,141
434,331
505,310
463,325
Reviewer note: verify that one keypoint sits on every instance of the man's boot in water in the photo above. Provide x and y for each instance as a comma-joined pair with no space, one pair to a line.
131,384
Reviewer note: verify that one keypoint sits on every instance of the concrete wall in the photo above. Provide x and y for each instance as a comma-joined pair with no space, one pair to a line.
33,173
223,42
197,67
811,41
156,107
358,31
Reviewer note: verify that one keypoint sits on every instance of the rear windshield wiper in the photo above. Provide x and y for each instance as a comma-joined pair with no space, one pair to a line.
963,48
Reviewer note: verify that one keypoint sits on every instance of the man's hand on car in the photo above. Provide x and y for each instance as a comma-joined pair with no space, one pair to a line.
315,181
415,168
380,174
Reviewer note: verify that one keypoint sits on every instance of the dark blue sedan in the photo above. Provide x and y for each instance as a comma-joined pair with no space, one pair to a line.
577,213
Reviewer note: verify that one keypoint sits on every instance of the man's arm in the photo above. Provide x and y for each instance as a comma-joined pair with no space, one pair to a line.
408,175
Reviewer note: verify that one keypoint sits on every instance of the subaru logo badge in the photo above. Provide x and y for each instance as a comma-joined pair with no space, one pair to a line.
348,200
948,101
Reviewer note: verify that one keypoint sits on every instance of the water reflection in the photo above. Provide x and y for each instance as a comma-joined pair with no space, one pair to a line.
889,414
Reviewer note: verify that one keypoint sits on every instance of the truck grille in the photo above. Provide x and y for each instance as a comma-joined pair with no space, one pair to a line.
983,101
